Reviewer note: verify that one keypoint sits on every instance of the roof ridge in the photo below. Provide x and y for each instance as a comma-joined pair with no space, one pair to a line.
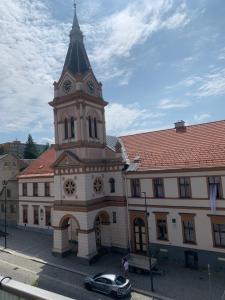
169,129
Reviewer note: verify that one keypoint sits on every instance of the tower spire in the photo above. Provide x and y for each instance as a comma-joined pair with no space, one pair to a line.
75,20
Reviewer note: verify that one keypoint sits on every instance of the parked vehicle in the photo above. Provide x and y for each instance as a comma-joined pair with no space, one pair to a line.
116,285
140,263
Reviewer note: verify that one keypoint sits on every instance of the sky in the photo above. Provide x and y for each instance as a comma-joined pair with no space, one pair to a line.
159,62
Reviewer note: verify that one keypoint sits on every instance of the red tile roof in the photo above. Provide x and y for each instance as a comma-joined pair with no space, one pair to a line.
40,166
200,146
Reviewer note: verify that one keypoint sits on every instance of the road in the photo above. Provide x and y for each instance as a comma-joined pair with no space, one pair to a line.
50,278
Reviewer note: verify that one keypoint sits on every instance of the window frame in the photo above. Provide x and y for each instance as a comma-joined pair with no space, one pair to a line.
24,189
135,185
47,189
187,187
36,216
161,222
219,186
25,214
188,218
35,189
158,183
66,132
48,217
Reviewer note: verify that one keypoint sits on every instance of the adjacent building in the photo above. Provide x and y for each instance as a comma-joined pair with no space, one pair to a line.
10,167
95,191
17,148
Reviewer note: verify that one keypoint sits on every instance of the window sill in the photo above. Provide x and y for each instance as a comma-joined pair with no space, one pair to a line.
189,243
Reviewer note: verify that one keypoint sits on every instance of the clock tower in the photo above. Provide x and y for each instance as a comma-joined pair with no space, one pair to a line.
88,168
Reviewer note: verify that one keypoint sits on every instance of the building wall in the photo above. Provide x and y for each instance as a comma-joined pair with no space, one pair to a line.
173,206
30,201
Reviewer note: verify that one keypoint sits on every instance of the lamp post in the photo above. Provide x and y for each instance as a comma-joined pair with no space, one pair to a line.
148,246
4,183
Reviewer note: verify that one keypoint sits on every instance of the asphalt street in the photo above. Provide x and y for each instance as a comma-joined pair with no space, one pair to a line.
50,278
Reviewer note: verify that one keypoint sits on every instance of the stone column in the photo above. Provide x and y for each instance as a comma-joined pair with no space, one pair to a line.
61,241
86,244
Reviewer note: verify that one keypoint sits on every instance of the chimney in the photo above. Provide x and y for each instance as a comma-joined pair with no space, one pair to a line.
180,126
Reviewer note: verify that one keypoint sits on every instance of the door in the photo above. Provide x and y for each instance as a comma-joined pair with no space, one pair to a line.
98,233
140,236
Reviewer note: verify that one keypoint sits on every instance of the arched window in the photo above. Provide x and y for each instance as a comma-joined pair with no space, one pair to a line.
112,185
66,128
72,127
90,126
95,128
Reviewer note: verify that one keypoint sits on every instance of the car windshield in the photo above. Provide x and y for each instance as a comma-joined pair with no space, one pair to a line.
120,280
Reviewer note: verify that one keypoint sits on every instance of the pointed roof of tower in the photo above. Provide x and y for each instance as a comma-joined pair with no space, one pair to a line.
76,59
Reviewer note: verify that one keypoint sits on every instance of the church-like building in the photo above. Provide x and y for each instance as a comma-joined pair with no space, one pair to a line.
92,191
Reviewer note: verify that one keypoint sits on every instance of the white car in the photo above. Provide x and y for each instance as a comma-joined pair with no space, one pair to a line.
110,284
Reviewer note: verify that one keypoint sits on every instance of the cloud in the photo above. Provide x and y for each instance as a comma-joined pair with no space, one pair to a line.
114,37
31,49
202,117
121,119
212,84
169,104
222,54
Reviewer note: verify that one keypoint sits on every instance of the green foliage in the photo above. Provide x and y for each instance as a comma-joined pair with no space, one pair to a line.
30,151
35,283
2,150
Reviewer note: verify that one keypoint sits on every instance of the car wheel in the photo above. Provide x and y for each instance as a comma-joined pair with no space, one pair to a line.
114,294
88,286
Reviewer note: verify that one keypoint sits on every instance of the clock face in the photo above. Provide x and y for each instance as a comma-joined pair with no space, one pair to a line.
91,86
67,86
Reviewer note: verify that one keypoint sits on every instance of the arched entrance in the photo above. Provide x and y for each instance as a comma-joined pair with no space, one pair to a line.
140,241
70,226
101,229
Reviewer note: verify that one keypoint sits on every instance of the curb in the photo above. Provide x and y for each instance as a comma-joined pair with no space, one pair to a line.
41,261
153,295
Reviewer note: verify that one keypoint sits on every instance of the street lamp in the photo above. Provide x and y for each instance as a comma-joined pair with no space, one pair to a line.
148,246
4,183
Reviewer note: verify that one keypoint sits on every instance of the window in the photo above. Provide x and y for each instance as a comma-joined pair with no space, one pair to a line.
218,230
72,129
114,217
158,188
8,192
135,188
188,228
36,215
90,126
66,128
35,189
140,239
47,189
161,226
112,185
48,216
2,207
12,208
24,189
184,187
214,187
95,128
25,214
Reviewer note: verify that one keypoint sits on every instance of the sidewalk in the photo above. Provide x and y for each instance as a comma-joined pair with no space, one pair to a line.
178,283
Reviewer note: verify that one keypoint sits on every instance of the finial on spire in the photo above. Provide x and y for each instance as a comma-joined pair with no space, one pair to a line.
75,21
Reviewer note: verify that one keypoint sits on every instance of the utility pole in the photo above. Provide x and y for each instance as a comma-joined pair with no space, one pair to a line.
4,183
148,245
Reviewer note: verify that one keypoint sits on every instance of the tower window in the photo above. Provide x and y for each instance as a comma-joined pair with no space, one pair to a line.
66,128
90,126
112,185
72,127
95,128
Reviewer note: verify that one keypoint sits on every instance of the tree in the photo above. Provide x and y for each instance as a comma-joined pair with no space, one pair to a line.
30,151
2,150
